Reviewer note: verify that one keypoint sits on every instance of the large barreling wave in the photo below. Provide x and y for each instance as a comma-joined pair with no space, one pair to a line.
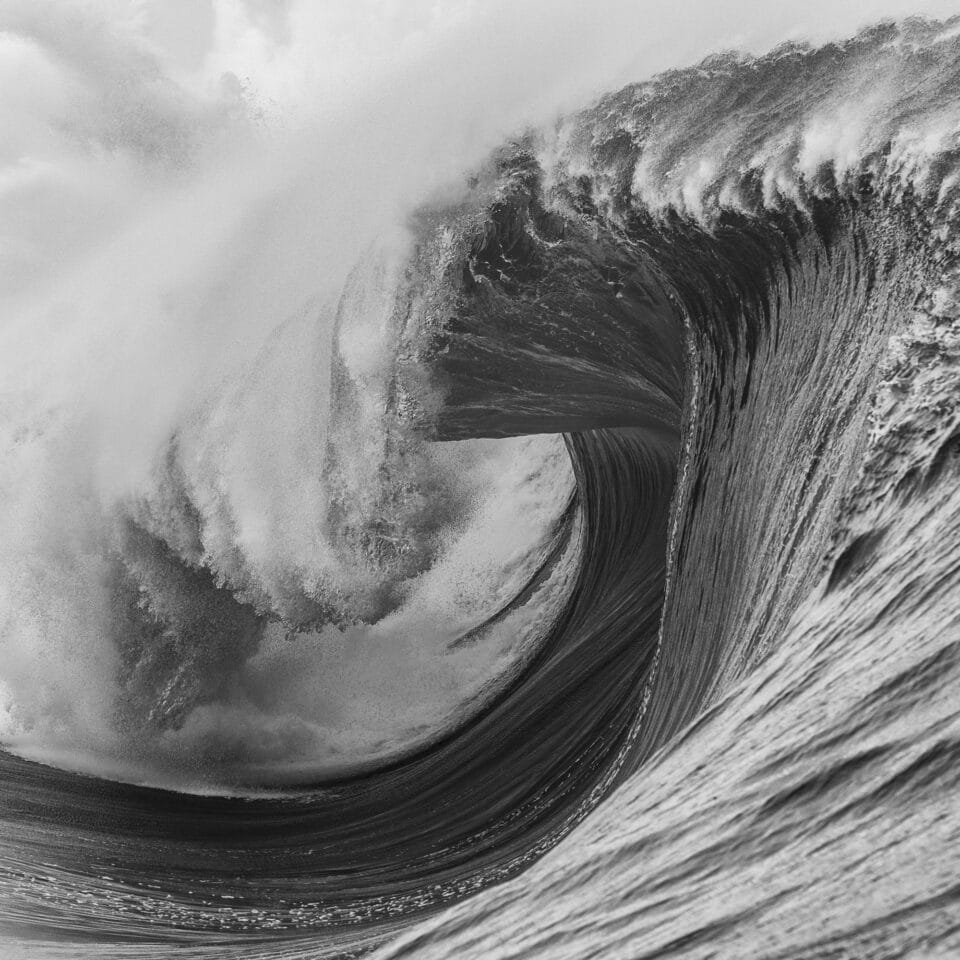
579,577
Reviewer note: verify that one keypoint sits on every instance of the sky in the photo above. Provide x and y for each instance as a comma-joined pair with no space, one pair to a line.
336,38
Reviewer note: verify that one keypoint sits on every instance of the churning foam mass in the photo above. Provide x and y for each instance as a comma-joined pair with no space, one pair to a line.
230,550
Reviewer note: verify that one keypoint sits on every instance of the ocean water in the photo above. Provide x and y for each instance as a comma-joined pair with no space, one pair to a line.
580,579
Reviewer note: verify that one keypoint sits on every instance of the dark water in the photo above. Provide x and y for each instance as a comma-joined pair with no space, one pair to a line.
732,289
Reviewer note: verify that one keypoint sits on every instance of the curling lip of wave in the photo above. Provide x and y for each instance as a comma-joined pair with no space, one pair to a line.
689,272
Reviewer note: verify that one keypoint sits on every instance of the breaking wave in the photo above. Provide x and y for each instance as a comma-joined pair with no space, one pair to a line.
617,492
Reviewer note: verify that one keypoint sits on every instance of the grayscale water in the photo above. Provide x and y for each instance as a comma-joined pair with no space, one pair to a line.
711,707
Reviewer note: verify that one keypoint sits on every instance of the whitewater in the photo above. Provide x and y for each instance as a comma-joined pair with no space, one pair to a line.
512,516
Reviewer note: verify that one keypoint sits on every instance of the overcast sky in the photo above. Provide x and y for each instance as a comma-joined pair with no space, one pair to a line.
190,30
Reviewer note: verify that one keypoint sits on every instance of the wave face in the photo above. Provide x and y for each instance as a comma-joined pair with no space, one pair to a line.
729,725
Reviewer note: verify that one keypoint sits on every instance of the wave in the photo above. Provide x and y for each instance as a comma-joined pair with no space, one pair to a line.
724,653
